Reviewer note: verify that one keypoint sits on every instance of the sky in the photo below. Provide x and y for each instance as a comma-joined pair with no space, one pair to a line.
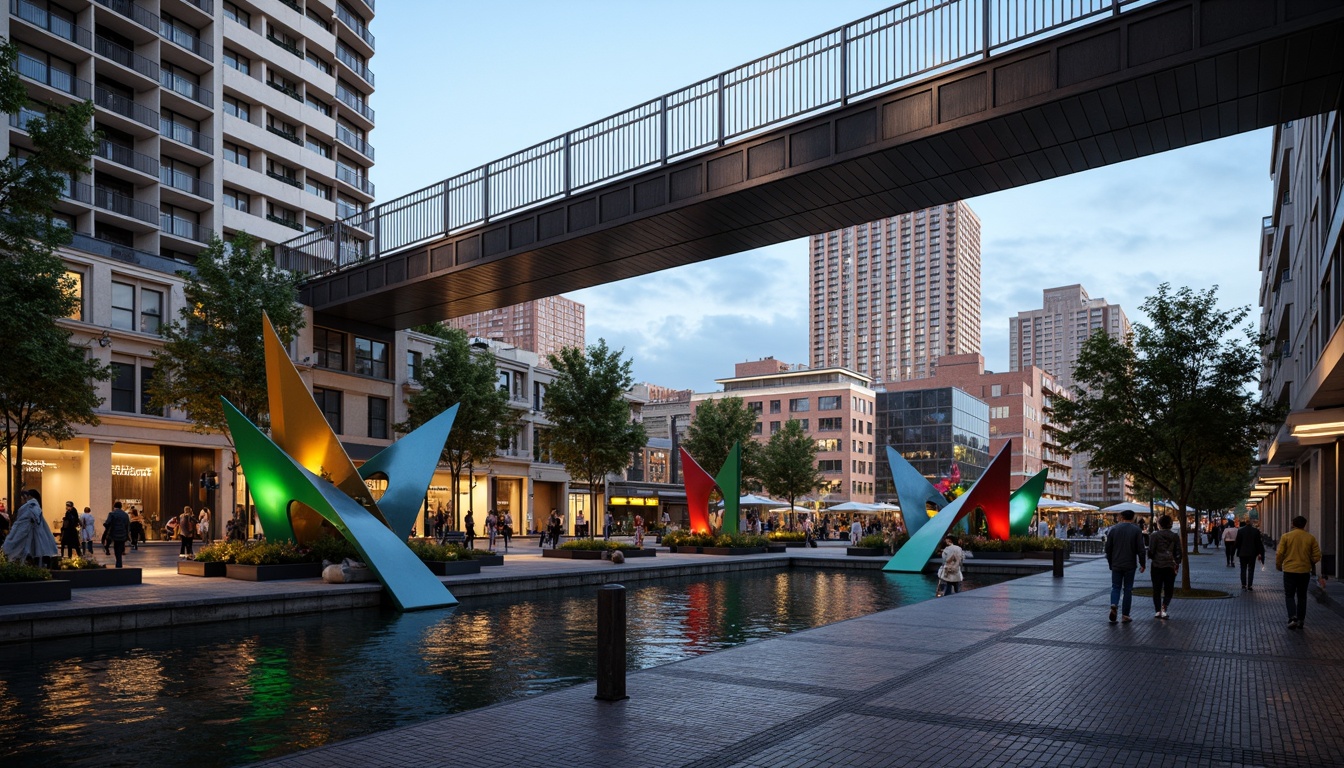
461,83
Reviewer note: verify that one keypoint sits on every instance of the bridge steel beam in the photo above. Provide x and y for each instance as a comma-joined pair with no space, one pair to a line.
1172,74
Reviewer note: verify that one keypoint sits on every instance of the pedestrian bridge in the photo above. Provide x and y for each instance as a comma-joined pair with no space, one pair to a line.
926,102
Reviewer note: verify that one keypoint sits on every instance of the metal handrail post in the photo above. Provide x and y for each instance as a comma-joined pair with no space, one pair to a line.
844,65
722,118
662,133
568,159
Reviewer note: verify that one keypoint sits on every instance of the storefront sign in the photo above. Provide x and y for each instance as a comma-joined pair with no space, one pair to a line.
126,470
37,465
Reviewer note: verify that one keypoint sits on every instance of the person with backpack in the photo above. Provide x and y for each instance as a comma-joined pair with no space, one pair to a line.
186,532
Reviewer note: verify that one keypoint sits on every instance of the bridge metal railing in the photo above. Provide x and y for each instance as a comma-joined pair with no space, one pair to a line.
906,43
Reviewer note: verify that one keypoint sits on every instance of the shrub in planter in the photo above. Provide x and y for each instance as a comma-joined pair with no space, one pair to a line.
596,544
873,541
275,553
220,552
787,536
77,563
1042,543
11,572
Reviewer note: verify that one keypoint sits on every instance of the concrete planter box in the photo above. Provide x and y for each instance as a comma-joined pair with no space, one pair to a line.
732,550
1048,555
684,550
274,572
101,577
573,554
973,556
776,548
23,592
795,543
488,560
453,567
865,551
194,568
633,553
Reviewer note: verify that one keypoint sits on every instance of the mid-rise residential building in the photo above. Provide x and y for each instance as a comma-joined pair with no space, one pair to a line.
1302,306
544,326
890,297
1021,408
835,406
215,118
1050,338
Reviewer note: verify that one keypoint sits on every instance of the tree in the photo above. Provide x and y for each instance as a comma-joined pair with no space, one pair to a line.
788,465
215,347
718,423
1175,402
593,434
46,384
456,374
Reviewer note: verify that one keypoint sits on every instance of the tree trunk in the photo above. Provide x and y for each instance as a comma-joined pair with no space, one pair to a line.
1185,572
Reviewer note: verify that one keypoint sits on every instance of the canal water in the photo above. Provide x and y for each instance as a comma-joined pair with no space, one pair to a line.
237,692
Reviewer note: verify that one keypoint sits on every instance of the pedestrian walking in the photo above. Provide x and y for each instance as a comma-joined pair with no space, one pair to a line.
87,525
137,528
30,537
506,528
203,526
117,528
1230,542
807,532
555,527
608,525
1124,551
70,545
491,528
1250,547
949,573
1166,552
470,539
639,530
855,532
1297,555
186,533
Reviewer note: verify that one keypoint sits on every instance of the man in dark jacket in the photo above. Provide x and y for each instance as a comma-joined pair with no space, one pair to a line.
1250,547
117,528
1124,551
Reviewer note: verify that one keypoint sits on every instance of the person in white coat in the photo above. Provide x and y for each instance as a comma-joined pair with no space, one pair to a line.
30,537
86,527
855,533
949,573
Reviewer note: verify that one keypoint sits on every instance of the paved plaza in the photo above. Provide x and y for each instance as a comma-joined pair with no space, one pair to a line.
1025,673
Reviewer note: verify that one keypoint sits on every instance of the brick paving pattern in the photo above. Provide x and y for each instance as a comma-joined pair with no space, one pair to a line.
1027,673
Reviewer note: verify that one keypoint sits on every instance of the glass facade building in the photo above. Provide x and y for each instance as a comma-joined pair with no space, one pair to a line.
932,428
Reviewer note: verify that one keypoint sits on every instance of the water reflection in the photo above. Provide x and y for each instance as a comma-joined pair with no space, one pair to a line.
232,693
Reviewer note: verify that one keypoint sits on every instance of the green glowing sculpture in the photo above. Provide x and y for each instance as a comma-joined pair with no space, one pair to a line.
729,481
1022,504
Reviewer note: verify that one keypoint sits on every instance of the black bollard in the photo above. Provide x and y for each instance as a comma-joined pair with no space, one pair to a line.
611,643
1059,563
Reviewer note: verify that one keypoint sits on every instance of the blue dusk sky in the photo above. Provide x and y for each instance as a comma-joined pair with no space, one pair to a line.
463,83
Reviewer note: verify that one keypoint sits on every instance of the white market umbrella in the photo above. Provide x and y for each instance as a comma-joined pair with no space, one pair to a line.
1064,506
751,500
1128,506
853,506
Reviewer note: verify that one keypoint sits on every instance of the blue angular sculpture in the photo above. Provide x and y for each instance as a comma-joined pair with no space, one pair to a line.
409,466
913,492
915,553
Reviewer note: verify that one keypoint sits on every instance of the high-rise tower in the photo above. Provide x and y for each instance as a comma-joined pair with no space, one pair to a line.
892,296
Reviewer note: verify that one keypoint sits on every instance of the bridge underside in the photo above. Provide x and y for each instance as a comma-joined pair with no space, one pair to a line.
1166,76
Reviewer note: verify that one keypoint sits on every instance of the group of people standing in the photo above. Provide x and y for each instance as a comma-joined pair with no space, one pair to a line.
1296,557
30,539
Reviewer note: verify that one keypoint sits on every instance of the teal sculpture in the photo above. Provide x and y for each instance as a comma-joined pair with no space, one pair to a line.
913,492
989,492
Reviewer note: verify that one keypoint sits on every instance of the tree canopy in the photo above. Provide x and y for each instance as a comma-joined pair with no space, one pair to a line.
788,464
718,424
593,434
1176,402
215,347
456,374
46,383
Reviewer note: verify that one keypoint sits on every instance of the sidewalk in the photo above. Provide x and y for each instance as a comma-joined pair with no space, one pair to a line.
1025,673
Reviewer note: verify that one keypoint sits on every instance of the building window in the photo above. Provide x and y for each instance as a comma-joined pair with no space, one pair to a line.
146,376
806,427
232,11
74,282
371,358
1000,412
236,199
320,147
123,307
774,427
830,466
238,108
799,405
237,155
329,402
238,61
151,311
414,365
317,188
329,349
315,103
755,408
829,403
756,428
828,444
317,19
996,390
774,406
378,418
123,387
830,424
